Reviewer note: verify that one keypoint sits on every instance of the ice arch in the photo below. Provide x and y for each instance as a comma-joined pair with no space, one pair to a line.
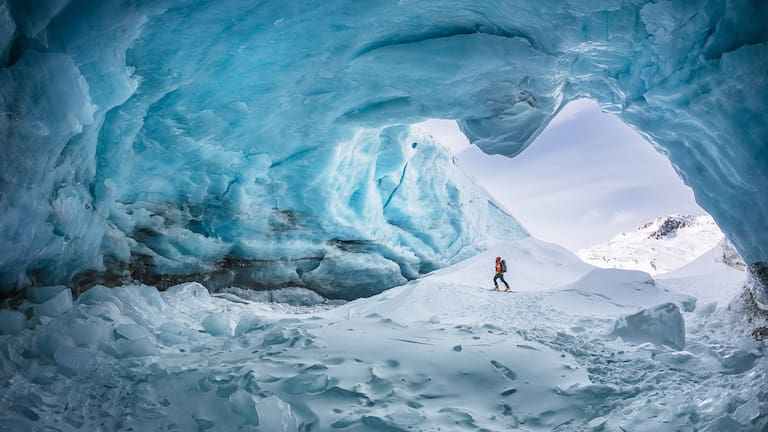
264,140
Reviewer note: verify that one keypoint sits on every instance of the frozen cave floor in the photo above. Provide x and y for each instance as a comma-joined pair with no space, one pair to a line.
439,354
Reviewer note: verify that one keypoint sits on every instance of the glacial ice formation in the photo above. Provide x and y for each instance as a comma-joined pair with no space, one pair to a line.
434,354
268,144
662,324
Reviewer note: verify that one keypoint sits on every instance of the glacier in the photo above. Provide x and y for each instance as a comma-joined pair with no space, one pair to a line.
171,171
575,348
268,145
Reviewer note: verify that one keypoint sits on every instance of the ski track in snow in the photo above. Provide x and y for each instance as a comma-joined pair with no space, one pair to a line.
433,355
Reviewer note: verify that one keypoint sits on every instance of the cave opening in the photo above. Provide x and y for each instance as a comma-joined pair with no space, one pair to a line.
271,142
587,178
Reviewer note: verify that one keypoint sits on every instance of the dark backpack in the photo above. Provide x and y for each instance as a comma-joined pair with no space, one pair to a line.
503,266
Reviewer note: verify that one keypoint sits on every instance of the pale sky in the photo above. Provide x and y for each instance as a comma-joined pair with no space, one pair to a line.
586,178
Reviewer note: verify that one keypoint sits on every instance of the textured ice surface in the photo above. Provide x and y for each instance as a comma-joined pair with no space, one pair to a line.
662,325
11,321
56,305
263,144
438,354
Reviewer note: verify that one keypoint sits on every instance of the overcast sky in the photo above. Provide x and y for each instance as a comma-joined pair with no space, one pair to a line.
586,178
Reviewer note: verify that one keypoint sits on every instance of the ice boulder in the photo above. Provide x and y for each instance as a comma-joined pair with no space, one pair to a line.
75,360
135,348
188,293
56,305
11,321
291,295
51,339
131,332
661,325
247,323
219,324
243,404
739,361
296,296
276,414
41,294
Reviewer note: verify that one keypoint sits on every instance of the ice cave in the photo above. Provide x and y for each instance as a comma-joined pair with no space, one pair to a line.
164,165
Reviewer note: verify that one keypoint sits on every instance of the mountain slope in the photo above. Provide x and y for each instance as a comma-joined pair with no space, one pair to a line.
660,246
709,276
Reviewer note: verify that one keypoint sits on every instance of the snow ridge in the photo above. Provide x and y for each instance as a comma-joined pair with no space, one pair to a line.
657,247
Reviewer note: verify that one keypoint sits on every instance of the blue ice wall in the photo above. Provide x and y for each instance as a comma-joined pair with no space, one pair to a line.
267,143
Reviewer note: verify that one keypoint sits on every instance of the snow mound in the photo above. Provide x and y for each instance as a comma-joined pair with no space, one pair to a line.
709,276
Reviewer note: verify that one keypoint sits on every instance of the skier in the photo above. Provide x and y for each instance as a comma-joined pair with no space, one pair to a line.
501,268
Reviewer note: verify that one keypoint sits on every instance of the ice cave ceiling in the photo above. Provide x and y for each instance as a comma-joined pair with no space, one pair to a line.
267,143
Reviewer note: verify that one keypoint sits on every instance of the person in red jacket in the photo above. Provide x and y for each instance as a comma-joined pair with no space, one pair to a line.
501,268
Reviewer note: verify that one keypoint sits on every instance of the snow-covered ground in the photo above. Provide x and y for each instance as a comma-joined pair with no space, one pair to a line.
659,246
574,348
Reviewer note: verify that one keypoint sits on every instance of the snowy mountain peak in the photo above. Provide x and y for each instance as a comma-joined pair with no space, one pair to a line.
669,225
659,246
